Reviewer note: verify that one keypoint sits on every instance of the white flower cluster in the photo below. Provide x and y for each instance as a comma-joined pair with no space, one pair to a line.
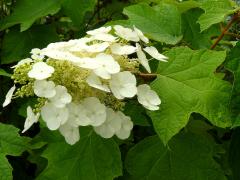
98,53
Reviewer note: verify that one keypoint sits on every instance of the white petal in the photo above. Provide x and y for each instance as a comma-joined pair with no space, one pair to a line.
141,35
126,33
43,88
123,84
88,63
104,131
147,97
129,91
122,50
9,95
142,58
35,51
23,61
53,116
60,55
110,126
101,72
99,47
152,51
104,37
62,97
126,127
78,115
40,71
37,57
31,119
108,63
151,107
100,30
71,134
95,82
96,111
123,134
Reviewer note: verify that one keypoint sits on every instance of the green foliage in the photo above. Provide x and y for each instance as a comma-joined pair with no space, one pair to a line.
215,12
155,21
233,64
188,157
234,155
194,134
4,73
72,9
26,12
10,144
187,84
191,30
91,158
22,42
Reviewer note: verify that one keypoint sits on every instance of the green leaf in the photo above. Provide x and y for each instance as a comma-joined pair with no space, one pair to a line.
17,45
137,113
233,64
182,6
187,84
10,144
215,12
234,154
4,73
92,158
76,10
191,30
26,12
188,157
154,22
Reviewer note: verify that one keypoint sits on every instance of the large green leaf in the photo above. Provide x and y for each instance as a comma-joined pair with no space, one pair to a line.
17,45
92,158
27,11
76,10
187,84
188,157
233,64
161,23
191,30
10,144
215,12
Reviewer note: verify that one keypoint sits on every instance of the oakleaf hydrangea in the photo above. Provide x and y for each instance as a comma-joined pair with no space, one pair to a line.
86,82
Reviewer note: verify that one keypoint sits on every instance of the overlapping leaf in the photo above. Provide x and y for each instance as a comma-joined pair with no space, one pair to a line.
17,45
233,64
10,144
92,158
155,21
187,84
76,10
215,12
191,30
188,157
26,12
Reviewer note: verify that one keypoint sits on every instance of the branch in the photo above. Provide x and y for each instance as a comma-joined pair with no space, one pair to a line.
147,75
225,30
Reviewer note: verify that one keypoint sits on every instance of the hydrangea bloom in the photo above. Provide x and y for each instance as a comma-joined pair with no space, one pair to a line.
85,82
